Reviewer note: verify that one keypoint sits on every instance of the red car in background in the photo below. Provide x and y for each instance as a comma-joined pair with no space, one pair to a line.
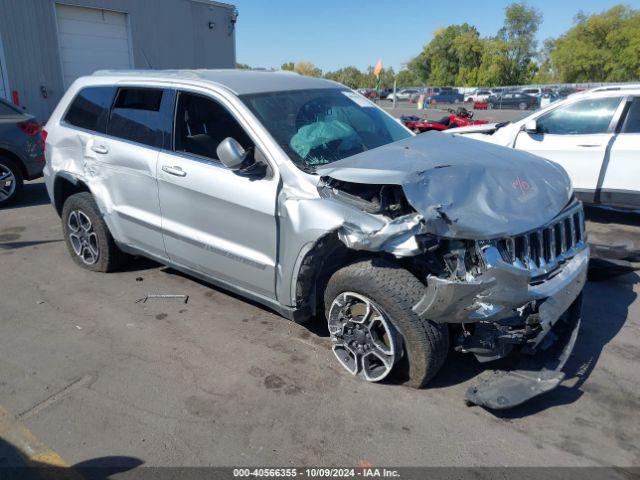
369,93
456,118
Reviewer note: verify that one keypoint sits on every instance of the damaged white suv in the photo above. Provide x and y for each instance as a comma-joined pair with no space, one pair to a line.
300,194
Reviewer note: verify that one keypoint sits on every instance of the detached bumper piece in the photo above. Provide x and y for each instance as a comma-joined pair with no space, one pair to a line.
534,375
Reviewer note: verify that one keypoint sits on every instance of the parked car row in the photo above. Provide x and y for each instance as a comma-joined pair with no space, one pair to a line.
521,101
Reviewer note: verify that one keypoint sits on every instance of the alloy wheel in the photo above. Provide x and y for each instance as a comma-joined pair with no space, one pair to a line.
83,238
364,340
7,183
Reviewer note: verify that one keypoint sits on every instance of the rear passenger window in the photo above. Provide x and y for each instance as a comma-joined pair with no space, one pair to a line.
201,124
632,123
90,108
136,116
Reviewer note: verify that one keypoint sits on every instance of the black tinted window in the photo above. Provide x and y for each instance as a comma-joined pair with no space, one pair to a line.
587,117
201,124
136,116
632,123
90,109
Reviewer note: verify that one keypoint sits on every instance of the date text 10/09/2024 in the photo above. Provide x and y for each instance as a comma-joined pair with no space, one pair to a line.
366,472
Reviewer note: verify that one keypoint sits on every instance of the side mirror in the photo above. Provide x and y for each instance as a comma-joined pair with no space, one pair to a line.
231,154
531,126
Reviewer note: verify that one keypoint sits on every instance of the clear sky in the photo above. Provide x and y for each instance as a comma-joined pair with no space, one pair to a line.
337,33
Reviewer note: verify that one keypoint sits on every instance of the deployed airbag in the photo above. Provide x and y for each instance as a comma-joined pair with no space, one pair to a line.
318,134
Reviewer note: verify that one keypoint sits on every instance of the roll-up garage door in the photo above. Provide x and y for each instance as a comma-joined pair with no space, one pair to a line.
91,39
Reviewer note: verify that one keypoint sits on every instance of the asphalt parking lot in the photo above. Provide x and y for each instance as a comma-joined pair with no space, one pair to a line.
97,378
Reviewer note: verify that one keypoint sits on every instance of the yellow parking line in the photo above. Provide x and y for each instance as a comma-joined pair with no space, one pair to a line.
34,453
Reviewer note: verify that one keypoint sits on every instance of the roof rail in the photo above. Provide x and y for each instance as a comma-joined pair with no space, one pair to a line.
609,88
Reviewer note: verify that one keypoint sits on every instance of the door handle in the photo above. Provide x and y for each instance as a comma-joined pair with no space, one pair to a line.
177,171
590,145
101,149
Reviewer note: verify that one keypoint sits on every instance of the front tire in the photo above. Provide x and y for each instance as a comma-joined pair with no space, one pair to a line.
88,239
11,181
373,328
522,106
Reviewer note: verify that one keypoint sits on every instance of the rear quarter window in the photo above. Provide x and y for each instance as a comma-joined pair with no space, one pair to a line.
136,116
90,108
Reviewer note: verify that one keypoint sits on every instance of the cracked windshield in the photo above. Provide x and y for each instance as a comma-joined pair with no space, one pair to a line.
317,127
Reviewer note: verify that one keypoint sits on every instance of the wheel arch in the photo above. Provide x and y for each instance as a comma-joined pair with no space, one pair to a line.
13,156
65,185
317,263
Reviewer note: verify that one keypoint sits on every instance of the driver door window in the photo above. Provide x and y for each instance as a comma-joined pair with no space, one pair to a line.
588,117
576,137
202,123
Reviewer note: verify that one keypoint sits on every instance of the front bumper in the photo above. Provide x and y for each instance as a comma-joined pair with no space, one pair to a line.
532,376
501,290
507,308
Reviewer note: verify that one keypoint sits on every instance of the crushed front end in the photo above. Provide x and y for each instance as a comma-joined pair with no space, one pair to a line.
495,235
520,292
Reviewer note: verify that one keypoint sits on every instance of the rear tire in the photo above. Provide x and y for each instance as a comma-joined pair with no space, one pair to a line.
88,239
11,181
522,106
421,345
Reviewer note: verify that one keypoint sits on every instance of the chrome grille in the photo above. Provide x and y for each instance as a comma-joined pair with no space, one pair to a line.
542,250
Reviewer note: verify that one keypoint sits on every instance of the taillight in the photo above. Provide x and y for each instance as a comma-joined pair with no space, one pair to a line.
30,127
43,136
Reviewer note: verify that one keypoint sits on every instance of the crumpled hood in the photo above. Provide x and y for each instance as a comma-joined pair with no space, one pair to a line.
463,188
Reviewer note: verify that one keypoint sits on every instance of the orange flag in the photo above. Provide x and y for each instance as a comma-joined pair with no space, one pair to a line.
378,68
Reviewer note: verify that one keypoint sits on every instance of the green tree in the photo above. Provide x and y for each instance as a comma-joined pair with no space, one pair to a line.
420,67
452,49
546,71
289,66
494,64
601,47
519,35
452,57
242,66
307,69
409,78
349,76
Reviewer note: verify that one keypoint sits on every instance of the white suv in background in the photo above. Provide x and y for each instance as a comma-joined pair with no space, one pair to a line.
594,135
479,95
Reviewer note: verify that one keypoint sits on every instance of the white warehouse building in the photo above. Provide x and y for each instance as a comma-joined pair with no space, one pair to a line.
46,44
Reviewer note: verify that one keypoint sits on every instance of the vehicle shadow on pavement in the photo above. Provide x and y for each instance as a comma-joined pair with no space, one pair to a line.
33,194
15,464
15,245
603,215
601,322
